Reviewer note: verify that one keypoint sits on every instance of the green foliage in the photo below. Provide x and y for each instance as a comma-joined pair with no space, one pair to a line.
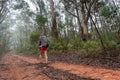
34,37
109,11
76,44
33,48
58,45
57,14
54,46
91,49
108,36
91,45
113,48
105,12
41,20
112,44
100,4
30,13
23,49
20,4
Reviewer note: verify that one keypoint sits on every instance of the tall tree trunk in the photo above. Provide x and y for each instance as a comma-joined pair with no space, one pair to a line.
84,24
54,23
3,10
79,22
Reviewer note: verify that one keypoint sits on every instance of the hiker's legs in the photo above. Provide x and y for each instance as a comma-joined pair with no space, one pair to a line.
46,56
41,49
40,56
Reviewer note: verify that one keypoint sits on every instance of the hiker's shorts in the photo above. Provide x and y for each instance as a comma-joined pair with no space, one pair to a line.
43,48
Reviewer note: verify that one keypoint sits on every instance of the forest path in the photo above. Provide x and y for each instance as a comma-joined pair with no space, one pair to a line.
19,67
14,68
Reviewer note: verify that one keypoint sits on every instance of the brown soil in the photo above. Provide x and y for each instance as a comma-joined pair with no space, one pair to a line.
61,67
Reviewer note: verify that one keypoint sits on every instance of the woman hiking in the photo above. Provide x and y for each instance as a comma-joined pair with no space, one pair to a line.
43,47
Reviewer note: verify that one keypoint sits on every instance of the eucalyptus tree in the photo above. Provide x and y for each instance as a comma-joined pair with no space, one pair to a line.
4,26
72,8
77,8
46,14
42,16
109,16
54,23
5,35
40,6
3,9
23,25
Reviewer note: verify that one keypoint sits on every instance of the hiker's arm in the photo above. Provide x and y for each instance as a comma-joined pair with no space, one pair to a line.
39,42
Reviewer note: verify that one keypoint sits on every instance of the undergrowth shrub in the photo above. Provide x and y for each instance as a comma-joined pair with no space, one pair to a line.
86,49
34,37
90,48
112,48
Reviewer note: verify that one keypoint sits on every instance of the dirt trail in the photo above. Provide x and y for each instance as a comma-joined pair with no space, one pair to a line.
88,71
13,67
